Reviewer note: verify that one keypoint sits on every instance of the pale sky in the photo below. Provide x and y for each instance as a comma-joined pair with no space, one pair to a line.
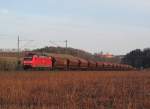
114,26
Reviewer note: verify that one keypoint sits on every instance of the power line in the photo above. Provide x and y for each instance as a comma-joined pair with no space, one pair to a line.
19,47
54,43
66,44
4,35
28,42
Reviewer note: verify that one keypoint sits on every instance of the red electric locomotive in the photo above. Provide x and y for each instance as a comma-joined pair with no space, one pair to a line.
37,61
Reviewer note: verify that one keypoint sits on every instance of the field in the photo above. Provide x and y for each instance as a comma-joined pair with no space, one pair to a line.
75,90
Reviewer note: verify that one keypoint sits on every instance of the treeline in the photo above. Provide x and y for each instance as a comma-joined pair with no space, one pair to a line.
138,58
70,51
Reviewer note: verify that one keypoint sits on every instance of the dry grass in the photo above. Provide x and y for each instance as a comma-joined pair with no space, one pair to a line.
75,90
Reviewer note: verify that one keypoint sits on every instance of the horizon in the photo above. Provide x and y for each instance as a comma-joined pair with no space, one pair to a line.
111,26
14,50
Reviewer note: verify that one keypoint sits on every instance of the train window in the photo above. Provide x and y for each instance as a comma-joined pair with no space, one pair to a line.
30,54
28,58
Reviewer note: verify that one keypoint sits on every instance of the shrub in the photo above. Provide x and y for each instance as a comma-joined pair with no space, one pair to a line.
8,64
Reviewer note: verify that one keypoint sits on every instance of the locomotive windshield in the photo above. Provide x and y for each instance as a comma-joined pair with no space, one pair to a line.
28,58
30,54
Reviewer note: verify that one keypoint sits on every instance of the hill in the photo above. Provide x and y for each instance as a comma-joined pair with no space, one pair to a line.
76,53
67,51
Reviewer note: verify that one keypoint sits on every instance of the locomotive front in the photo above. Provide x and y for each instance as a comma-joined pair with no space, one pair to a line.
32,61
27,62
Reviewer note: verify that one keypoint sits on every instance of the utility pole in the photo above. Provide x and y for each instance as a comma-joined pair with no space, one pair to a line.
66,44
66,41
18,46
18,50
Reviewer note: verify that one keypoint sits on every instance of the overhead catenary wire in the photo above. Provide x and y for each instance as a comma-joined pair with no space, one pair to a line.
66,44
25,44
54,43
28,43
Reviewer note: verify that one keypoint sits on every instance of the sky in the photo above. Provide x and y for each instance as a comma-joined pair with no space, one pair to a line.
111,26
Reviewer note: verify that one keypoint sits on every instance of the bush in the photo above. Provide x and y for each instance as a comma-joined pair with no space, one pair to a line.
8,64
138,58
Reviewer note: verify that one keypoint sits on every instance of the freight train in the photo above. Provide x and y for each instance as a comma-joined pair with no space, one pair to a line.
35,61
